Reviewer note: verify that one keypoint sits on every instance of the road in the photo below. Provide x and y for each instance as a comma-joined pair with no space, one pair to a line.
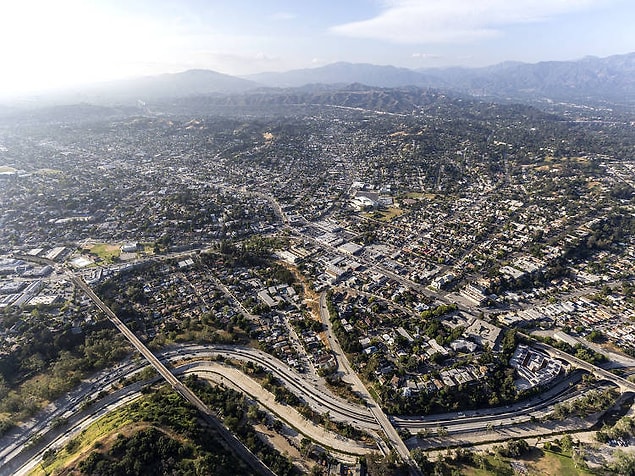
313,394
512,415
15,453
16,457
20,458
581,364
234,378
615,360
372,412
393,437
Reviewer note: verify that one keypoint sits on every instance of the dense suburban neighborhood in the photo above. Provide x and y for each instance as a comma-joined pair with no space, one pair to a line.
458,282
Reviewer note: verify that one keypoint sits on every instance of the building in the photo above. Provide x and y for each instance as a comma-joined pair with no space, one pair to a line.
534,368
350,248
474,293
131,247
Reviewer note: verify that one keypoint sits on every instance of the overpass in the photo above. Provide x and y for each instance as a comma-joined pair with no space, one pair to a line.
230,441
624,384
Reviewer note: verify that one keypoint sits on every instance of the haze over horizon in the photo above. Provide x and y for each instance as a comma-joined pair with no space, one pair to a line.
49,45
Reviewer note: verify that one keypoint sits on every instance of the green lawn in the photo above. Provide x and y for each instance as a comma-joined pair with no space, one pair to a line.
386,214
556,464
537,462
105,251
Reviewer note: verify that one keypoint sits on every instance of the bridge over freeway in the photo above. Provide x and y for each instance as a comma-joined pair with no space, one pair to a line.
230,441
625,385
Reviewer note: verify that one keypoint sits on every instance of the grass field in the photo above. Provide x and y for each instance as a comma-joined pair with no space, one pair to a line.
386,214
554,463
391,213
537,462
105,251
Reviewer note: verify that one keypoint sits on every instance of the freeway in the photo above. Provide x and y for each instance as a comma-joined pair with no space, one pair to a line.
478,420
26,449
321,400
16,452
231,441
317,397
234,378
19,457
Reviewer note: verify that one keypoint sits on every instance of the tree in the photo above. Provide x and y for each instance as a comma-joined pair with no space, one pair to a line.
517,448
624,463
595,336
566,443
317,471
442,431
509,343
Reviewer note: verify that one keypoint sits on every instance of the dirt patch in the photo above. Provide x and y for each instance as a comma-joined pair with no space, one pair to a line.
284,446
311,298
278,441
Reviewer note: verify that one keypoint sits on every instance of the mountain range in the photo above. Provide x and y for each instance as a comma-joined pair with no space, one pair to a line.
591,80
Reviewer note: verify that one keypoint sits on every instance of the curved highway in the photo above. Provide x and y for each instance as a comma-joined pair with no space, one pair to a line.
15,451
234,378
317,397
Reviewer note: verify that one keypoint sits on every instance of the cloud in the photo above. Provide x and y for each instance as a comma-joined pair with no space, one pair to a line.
72,42
455,21
425,56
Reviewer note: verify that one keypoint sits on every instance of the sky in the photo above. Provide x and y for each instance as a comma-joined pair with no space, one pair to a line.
50,44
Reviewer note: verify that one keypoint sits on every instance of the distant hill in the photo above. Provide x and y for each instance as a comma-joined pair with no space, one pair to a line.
64,114
394,100
345,73
403,100
196,82
589,80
